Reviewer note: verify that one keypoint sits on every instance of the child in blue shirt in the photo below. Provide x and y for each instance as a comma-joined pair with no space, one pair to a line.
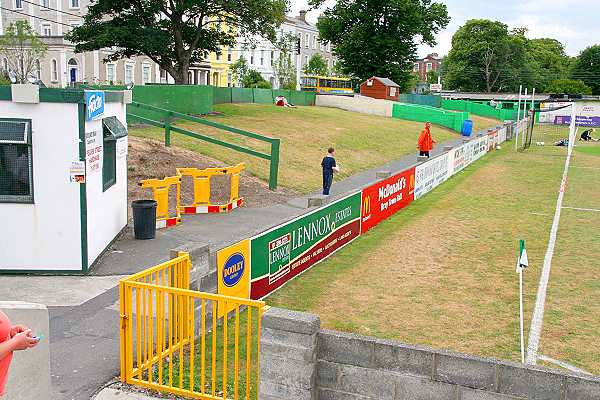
329,167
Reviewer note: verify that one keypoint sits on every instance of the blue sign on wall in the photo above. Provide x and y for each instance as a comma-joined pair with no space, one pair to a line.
94,104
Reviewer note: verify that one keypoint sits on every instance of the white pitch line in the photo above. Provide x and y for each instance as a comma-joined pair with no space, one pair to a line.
581,209
585,167
538,314
563,364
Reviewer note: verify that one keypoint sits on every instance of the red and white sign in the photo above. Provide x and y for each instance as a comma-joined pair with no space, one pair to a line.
386,197
93,152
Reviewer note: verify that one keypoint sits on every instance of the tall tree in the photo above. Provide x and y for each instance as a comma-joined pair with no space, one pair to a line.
285,68
547,62
380,37
239,69
485,56
316,66
174,33
587,68
23,49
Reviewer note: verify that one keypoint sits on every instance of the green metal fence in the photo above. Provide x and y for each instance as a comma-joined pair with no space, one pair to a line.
262,96
168,118
423,99
480,109
414,112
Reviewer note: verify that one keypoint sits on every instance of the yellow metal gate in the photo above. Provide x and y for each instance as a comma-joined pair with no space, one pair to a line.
172,339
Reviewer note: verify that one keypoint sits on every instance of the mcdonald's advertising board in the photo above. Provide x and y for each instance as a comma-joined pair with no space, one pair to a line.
286,251
386,197
233,271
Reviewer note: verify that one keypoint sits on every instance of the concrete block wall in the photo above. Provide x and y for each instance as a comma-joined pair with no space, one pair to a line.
288,353
29,372
360,104
353,367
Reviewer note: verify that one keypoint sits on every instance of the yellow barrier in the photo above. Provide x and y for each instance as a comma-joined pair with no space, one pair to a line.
172,340
201,179
160,190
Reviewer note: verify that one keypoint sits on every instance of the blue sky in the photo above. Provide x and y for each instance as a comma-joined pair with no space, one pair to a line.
574,22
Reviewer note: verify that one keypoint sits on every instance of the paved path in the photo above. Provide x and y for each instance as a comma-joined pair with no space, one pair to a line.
84,341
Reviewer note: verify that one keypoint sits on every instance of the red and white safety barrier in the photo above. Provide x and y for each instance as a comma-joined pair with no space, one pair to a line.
213,208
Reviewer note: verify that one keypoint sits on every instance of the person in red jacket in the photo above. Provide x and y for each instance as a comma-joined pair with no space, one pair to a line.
12,338
426,142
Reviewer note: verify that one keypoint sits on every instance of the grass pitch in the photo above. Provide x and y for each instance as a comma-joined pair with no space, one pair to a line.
442,271
361,141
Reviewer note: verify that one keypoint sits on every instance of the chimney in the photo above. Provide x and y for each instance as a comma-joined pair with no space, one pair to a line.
302,15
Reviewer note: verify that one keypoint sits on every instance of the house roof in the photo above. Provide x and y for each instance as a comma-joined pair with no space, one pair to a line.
386,81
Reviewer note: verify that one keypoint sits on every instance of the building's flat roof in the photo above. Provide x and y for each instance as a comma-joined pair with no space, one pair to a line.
490,96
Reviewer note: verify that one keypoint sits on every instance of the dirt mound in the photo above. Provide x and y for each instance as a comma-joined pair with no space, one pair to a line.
151,159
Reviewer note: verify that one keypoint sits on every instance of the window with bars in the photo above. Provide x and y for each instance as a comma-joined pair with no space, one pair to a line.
16,166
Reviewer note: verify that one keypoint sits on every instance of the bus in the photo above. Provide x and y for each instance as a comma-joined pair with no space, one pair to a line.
326,85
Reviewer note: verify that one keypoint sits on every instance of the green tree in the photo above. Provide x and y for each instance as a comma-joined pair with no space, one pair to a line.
23,49
175,33
239,70
547,61
432,77
285,68
568,86
316,66
252,78
380,37
587,68
485,56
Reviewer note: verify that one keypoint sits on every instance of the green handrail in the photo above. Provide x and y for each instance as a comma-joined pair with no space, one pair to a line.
169,127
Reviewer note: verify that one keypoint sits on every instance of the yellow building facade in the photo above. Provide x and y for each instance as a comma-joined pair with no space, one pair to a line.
220,74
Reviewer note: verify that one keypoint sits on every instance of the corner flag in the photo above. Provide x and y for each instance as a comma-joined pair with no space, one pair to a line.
523,261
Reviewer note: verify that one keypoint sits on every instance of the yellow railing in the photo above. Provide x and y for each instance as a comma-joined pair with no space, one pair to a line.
172,339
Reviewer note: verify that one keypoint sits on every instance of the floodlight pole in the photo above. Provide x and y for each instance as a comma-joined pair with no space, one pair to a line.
518,117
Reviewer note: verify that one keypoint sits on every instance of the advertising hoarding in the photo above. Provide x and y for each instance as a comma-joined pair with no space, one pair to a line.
385,198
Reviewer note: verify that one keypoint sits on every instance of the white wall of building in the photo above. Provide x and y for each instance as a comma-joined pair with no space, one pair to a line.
45,235
106,211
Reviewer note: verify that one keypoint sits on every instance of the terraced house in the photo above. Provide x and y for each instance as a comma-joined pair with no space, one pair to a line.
61,66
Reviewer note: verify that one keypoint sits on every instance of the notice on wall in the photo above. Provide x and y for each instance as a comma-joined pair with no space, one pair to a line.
122,147
93,152
386,198
77,172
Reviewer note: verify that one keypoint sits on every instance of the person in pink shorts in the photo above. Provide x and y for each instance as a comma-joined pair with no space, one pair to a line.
12,338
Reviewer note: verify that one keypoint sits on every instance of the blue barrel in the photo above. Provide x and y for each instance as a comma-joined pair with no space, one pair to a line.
467,127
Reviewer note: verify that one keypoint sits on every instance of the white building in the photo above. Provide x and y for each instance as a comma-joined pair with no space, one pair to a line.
63,177
262,55
61,66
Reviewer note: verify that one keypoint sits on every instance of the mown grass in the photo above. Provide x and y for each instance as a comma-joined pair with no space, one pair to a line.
203,383
442,271
362,141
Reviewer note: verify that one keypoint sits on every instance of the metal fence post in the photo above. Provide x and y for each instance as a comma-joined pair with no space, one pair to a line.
168,130
274,164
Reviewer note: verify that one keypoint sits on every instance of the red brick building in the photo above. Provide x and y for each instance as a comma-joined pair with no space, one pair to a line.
380,88
425,65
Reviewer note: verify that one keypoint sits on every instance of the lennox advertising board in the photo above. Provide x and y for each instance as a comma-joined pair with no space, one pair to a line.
458,159
387,197
286,251
431,174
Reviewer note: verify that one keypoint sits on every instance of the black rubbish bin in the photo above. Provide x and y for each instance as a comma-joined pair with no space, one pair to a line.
144,219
